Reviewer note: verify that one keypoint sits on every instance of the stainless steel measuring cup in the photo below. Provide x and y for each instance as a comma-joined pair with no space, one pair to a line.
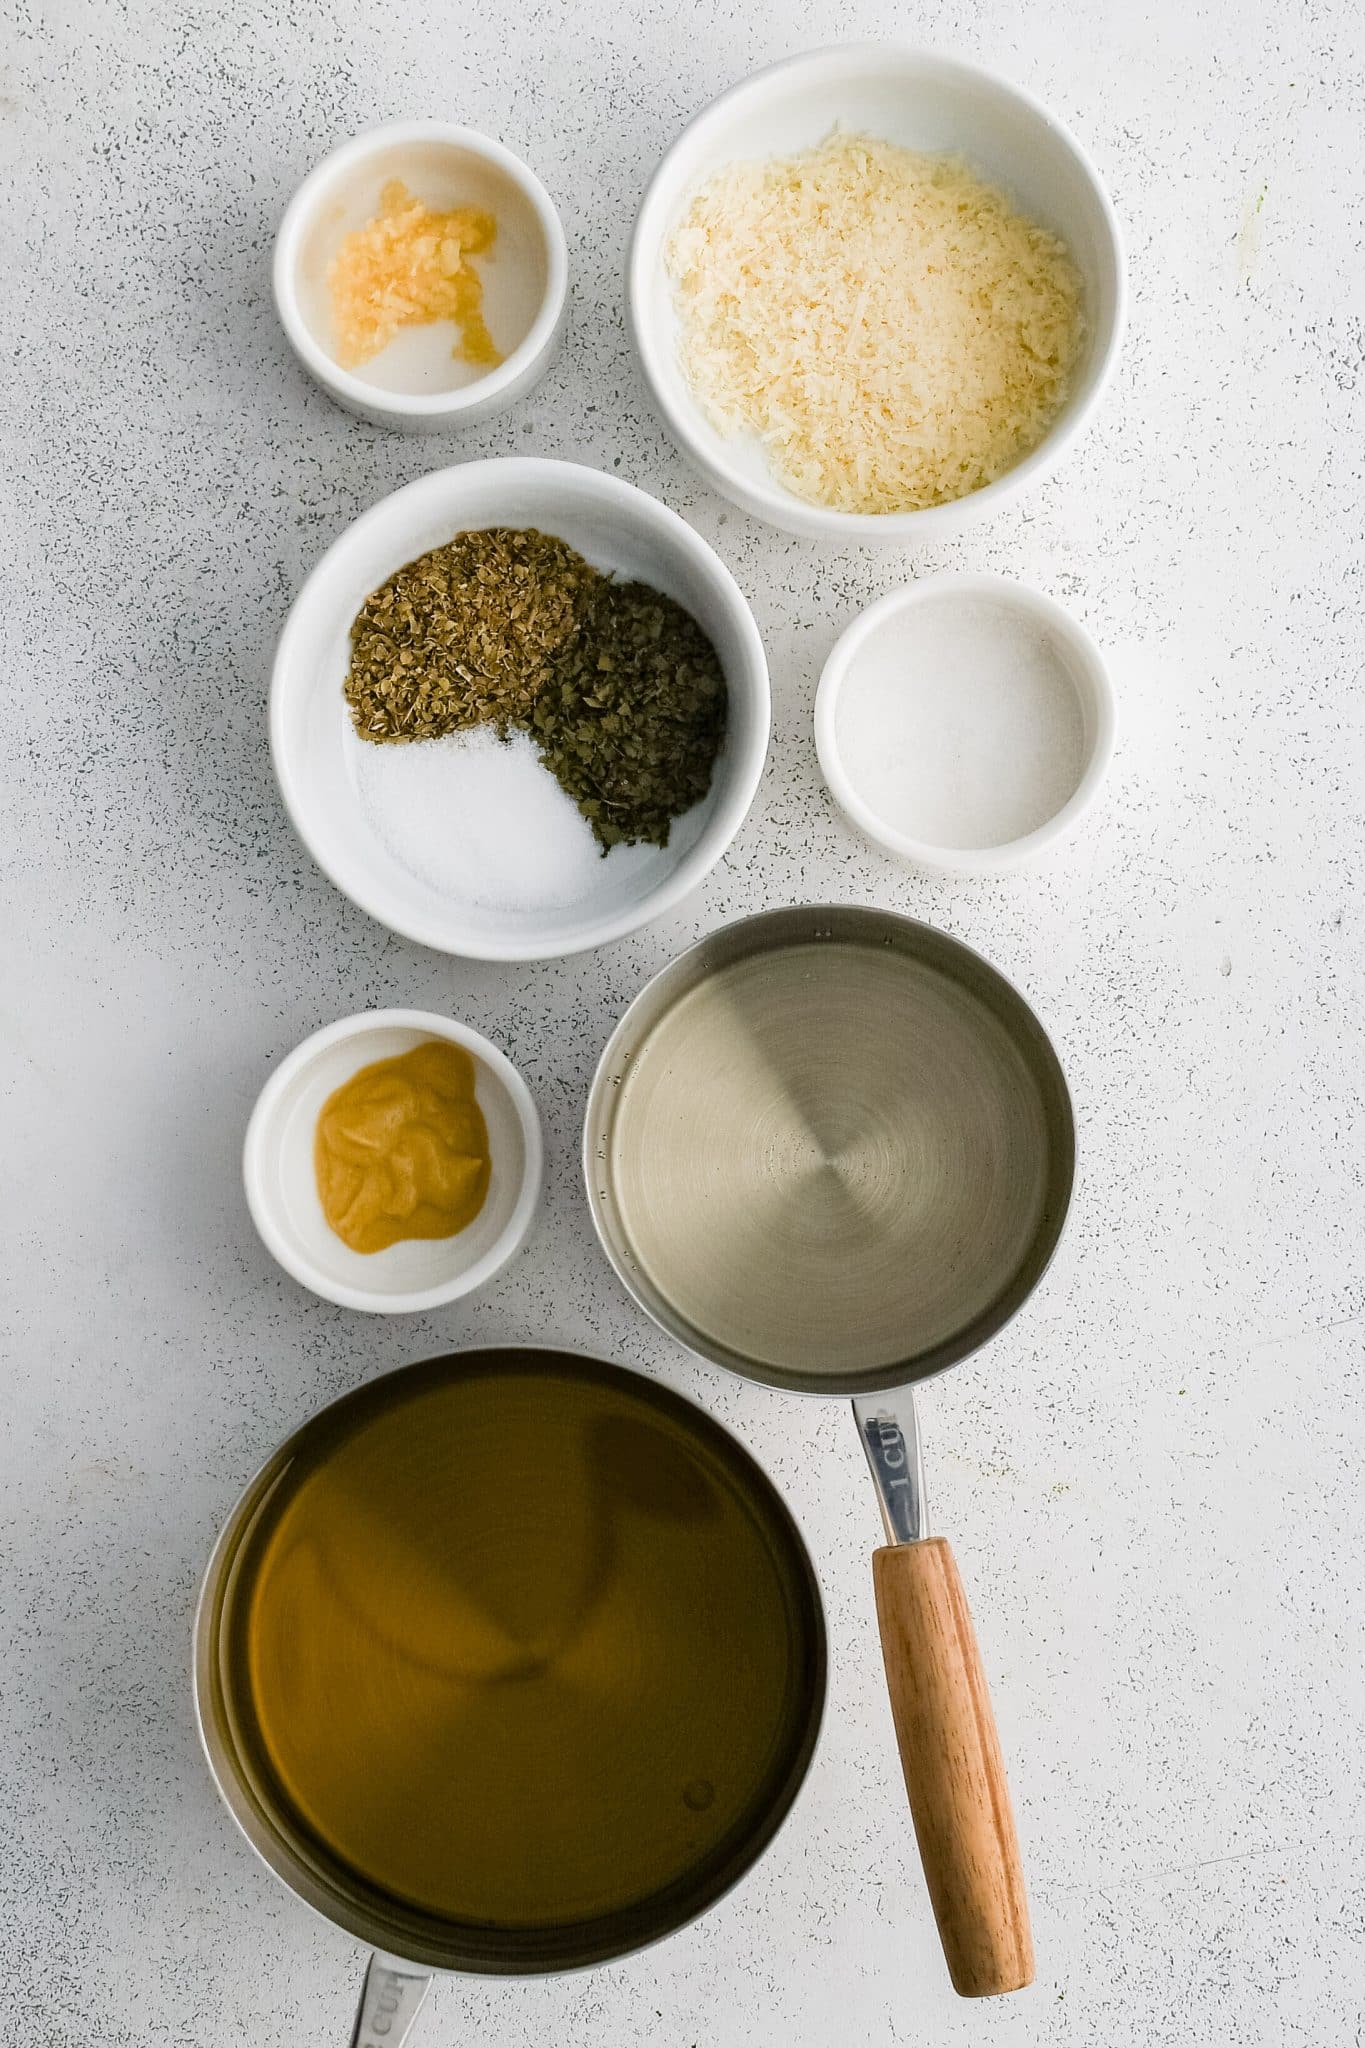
832,1150
424,1606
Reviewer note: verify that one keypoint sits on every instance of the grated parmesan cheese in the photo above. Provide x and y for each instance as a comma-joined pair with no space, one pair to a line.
890,331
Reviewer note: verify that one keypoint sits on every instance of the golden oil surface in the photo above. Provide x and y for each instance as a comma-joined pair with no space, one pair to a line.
522,1644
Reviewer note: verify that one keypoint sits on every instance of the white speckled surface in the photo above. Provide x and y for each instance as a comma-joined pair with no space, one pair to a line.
1153,1478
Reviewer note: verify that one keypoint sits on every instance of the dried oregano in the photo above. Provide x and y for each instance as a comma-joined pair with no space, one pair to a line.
619,686
464,635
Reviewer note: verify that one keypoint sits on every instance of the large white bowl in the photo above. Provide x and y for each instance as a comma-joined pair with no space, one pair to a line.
923,101
617,528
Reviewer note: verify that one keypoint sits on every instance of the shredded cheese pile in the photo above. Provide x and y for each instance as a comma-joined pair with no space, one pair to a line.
407,266
893,334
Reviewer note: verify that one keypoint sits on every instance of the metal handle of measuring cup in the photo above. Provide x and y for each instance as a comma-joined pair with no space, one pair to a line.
945,1728
389,2003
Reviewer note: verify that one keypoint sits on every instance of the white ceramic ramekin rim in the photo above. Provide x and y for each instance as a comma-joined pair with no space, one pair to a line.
1090,674
768,500
259,1135
431,405
743,766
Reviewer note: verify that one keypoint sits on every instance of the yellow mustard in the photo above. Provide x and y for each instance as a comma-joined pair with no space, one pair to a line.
402,1149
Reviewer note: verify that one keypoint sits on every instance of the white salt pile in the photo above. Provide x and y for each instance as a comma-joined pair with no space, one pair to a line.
959,724
480,820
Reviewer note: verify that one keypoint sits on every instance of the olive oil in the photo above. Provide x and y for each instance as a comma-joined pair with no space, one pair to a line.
516,1641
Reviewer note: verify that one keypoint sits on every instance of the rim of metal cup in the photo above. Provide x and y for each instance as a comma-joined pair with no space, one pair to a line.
417,1938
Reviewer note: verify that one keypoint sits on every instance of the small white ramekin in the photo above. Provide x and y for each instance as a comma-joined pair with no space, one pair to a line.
415,385
923,100
1078,654
281,1182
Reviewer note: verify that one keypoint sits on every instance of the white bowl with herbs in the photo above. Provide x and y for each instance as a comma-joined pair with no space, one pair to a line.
518,709
876,292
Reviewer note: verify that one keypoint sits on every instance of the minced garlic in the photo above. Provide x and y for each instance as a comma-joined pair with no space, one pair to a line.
408,266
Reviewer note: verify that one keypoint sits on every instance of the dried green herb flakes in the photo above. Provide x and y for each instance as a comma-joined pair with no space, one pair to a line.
465,635
633,715
619,686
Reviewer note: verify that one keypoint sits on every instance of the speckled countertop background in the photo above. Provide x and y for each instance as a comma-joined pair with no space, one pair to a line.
1153,1477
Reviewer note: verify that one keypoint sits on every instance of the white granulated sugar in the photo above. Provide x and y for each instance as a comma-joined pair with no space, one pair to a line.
959,725
480,820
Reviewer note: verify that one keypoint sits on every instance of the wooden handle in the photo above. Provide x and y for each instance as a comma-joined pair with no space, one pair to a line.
953,1773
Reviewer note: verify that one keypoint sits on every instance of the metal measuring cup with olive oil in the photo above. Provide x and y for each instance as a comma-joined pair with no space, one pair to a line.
510,1661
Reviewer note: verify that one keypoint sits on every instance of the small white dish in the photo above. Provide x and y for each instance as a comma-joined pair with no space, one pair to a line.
281,1182
921,100
316,752
965,723
417,384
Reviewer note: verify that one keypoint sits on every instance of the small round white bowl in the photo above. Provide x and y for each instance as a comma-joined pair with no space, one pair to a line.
1037,757
281,1182
617,527
416,384
923,101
